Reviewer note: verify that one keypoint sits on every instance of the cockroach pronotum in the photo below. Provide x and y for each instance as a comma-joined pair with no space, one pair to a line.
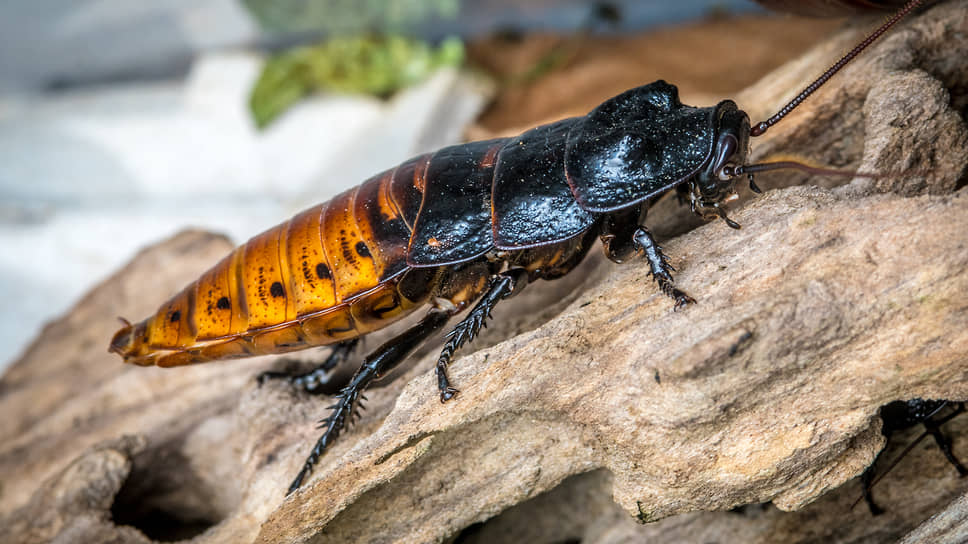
469,222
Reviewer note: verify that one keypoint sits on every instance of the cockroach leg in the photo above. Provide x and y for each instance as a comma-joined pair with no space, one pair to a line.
867,481
934,429
617,231
375,365
316,380
503,285
659,263
904,414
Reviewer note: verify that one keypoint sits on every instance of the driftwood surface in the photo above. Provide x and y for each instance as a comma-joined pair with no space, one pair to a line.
589,405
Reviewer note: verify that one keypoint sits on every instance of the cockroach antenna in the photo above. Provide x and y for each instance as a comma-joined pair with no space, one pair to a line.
760,128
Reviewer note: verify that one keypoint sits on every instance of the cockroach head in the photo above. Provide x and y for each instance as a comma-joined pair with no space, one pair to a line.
714,184
644,142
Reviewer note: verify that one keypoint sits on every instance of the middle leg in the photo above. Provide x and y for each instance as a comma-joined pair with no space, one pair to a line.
501,286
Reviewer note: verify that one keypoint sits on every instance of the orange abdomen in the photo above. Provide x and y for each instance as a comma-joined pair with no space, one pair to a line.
333,272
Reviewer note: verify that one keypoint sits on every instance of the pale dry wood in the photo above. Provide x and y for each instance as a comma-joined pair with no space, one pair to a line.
829,303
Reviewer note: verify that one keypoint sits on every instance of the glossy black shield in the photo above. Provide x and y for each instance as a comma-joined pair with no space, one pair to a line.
454,222
532,203
638,144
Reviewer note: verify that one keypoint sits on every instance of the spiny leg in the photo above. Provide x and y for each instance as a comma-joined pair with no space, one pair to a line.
934,429
375,365
504,285
901,415
316,380
661,269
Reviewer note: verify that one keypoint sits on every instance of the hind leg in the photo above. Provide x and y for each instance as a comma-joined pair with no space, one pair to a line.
316,380
904,414
867,481
385,358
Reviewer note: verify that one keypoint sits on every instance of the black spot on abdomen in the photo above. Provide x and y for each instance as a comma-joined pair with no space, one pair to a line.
175,316
362,250
276,290
322,272
223,304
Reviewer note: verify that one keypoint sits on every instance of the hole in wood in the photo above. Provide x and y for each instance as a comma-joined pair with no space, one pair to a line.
164,498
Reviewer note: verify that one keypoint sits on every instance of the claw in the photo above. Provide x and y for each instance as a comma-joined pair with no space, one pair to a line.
448,394
681,299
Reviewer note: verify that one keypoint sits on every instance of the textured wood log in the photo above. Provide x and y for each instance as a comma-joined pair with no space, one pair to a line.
603,407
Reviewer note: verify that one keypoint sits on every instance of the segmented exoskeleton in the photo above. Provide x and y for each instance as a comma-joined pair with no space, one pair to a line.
471,222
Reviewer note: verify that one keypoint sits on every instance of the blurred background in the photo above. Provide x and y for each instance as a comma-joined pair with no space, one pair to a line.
124,122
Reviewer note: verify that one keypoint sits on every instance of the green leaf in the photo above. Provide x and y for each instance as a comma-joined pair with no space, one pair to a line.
283,82
375,65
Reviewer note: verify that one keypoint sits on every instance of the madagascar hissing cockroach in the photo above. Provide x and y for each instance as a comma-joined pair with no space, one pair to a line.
904,414
469,222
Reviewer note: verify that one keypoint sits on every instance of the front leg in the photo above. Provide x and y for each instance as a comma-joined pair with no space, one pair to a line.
622,235
661,269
